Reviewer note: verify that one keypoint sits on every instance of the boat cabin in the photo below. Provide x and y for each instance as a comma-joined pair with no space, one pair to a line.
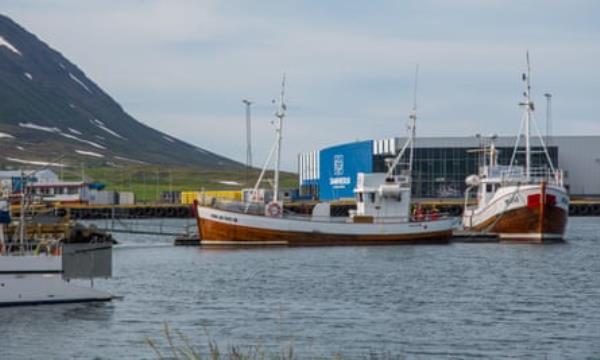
382,197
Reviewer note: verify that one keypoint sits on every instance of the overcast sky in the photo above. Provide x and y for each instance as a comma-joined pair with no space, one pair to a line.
183,67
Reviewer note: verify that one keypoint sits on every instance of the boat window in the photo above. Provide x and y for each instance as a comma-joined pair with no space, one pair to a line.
372,195
360,197
490,188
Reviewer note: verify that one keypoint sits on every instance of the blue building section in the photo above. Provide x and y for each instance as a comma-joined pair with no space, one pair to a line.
338,166
309,189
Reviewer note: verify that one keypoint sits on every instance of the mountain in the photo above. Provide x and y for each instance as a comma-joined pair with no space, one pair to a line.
50,111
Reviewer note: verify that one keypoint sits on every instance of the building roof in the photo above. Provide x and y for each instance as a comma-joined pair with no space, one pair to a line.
43,175
502,141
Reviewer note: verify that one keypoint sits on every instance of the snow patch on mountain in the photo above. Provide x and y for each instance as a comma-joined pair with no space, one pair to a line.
89,153
56,130
73,137
5,135
168,138
77,80
28,75
130,160
101,125
230,183
75,131
4,42
33,126
35,162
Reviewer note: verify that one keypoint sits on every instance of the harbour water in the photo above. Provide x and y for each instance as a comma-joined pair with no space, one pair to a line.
460,300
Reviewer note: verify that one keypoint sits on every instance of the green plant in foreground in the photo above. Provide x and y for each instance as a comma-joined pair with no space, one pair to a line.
180,348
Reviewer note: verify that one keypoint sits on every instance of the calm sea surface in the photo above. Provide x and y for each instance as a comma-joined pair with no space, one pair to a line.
457,301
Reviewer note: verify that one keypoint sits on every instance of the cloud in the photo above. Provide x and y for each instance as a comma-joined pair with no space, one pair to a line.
184,66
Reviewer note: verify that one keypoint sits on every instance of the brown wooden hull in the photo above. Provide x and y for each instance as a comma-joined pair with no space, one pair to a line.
537,224
217,233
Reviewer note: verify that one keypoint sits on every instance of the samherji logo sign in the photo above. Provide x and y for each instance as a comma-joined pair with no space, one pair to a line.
338,165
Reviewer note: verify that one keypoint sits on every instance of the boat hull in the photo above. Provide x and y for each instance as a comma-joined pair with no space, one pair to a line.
525,224
45,288
223,228
37,280
530,217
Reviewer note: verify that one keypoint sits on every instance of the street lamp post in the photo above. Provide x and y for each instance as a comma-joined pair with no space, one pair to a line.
248,103
598,163
548,117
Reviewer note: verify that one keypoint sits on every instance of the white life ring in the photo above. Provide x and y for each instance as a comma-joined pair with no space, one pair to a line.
274,209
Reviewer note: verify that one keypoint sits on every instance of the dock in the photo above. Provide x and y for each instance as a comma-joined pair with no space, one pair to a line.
452,207
137,211
583,207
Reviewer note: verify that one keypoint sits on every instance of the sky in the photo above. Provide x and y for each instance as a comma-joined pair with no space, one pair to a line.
184,66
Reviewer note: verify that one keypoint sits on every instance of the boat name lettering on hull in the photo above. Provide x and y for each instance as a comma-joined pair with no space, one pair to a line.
225,218
512,200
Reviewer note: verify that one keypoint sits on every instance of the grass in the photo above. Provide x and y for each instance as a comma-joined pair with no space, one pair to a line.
149,182
179,347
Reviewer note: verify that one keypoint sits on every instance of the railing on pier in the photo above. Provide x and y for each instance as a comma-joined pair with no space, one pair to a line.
158,227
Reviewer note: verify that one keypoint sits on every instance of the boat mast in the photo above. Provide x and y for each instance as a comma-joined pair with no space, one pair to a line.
528,109
410,142
413,123
22,215
280,115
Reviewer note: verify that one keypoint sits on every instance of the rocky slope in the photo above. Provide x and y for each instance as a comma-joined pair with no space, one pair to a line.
50,111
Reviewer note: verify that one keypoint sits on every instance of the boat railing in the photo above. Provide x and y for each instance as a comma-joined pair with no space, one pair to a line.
536,175
255,208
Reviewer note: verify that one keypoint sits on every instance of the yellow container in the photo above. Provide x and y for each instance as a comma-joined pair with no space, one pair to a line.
188,197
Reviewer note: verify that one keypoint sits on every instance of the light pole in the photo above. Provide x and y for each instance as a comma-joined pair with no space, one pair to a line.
548,117
598,163
479,147
157,182
248,103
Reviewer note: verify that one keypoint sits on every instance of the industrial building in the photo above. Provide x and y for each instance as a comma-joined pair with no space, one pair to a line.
441,164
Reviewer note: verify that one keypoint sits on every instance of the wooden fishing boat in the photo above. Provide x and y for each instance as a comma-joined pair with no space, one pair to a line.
382,215
518,203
